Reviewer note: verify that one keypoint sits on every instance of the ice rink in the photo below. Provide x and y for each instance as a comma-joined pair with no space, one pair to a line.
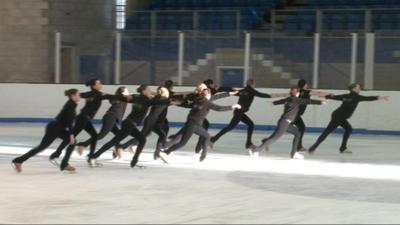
229,187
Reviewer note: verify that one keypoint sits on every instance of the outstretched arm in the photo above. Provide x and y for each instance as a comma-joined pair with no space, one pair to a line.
182,93
219,96
336,97
85,94
311,102
279,102
319,93
113,97
261,95
225,89
372,98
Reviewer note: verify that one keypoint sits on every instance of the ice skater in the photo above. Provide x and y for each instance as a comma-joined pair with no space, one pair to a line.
305,93
200,108
187,102
246,97
173,96
154,122
140,106
111,119
94,99
60,127
285,123
342,114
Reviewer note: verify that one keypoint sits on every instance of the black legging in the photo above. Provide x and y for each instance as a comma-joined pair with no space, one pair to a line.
200,142
333,124
188,130
128,128
148,127
238,116
109,124
53,131
282,127
166,127
82,123
302,128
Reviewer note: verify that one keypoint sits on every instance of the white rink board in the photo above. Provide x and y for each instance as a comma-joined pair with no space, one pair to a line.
45,101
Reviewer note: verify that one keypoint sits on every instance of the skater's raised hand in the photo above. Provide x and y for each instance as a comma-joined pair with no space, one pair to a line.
232,93
386,98
270,101
236,106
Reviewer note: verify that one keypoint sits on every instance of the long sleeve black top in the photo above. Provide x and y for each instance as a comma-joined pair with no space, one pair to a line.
141,105
201,107
188,101
220,89
158,112
292,106
67,115
246,97
93,102
349,103
117,109
304,94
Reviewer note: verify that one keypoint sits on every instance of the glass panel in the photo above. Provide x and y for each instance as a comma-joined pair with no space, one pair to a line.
207,53
387,63
147,59
282,60
335,62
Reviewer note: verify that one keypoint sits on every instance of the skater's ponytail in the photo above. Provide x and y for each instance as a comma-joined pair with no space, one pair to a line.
301,83
208,82
91,82
120,90
169,84
70,92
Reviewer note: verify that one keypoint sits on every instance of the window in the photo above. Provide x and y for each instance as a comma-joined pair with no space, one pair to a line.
120,13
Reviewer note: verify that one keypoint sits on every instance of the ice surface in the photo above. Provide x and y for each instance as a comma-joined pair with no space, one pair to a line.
229,187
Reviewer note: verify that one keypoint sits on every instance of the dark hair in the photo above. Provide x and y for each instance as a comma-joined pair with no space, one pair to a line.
352,86
70,92
168,84
208,82
141,88
301,83
91,82
120,90
250,82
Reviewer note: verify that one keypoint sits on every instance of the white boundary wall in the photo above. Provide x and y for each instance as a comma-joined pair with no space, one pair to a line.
45,101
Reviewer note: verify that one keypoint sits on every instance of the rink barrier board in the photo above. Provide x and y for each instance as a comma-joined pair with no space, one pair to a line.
218,126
